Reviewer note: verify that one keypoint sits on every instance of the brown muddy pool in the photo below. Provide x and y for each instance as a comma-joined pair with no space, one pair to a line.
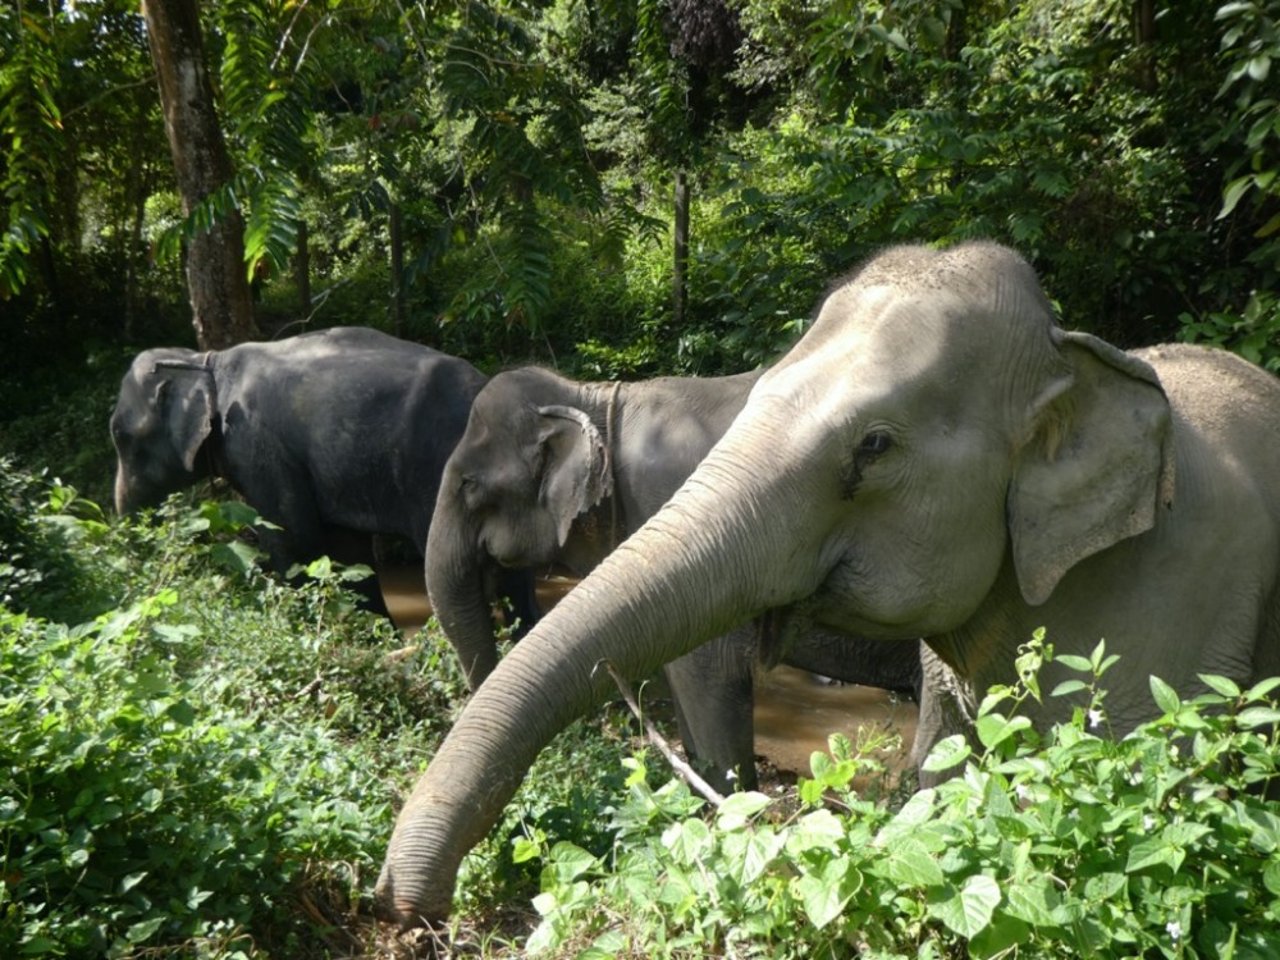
794,713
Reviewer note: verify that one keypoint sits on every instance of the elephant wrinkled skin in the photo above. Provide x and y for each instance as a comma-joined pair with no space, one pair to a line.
333,436
968,472
554,471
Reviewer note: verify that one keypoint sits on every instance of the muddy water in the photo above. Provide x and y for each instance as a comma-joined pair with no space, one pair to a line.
794,712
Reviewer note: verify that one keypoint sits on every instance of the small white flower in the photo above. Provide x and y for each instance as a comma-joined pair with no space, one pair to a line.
731,775
1148,823
1095,718
1174,929
1023,792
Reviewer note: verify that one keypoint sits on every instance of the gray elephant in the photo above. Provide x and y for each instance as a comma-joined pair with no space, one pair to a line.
554,471
333,436
935,458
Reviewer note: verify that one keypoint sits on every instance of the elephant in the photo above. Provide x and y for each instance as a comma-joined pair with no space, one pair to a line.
555,471
331,436
935,457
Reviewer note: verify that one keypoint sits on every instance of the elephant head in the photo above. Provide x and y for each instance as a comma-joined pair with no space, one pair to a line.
163,416
932,450
513,492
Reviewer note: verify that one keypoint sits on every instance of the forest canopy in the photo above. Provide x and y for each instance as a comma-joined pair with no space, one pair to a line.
497,178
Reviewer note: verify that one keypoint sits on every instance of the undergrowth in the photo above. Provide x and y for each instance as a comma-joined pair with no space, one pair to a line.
1066,844
197,759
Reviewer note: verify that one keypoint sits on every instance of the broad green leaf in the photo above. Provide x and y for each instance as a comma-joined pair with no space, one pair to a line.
144,929
524,850
569,861
968,910
688,840
1032,899
819,829
994,728
1262,688
1074,662
1165,696
1068,687
947,753
739,808
1231,195
825,892
1104,886
1219,684
1251,717
908,862
749,853
999,939
1271,877
1154,852
131,880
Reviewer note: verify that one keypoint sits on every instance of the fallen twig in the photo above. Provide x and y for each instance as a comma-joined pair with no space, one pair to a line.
679,764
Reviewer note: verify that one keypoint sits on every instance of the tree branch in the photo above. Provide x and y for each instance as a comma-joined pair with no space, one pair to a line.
678,764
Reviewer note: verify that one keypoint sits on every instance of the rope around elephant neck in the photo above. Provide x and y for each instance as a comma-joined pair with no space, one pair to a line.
609,433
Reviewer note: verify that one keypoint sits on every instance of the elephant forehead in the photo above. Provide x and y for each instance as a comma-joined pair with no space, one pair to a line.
910,346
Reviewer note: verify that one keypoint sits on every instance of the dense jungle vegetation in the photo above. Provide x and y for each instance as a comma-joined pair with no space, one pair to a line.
197,761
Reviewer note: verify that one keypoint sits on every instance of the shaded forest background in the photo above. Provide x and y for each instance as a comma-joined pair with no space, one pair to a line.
498,179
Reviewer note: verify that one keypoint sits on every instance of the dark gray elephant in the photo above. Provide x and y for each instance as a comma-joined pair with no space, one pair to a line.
935,458
554,471
333,436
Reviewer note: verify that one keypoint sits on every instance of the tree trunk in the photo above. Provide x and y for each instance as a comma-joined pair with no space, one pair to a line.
222,309
1144,35
679,291
397,272
137,189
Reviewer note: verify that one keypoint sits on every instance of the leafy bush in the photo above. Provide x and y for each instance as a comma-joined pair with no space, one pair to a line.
1074,844
133,812
41,524
188,768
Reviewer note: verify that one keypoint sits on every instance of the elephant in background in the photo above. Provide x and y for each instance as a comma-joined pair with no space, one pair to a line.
333,436
936,457
555,471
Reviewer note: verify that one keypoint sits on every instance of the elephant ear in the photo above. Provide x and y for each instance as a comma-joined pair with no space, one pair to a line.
184,397
576,470
1097,467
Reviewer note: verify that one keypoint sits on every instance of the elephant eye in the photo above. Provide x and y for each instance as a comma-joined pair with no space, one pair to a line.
874,443
872,446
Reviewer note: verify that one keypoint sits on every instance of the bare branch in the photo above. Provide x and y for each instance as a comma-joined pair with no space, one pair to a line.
678,764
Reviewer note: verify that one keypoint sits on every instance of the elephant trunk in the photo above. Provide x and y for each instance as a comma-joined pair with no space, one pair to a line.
684,577
455,574
123,506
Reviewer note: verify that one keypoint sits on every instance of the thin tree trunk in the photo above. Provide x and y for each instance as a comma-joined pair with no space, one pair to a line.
221,305
1144,31
397,272
136,199
679,289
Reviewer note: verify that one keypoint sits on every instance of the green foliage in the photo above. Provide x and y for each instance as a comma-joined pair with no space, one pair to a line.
29,121
211,749
134,813
1066,843
1254,334
41,523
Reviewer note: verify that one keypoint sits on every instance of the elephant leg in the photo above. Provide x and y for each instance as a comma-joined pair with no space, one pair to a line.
349,547
518,588
713,691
